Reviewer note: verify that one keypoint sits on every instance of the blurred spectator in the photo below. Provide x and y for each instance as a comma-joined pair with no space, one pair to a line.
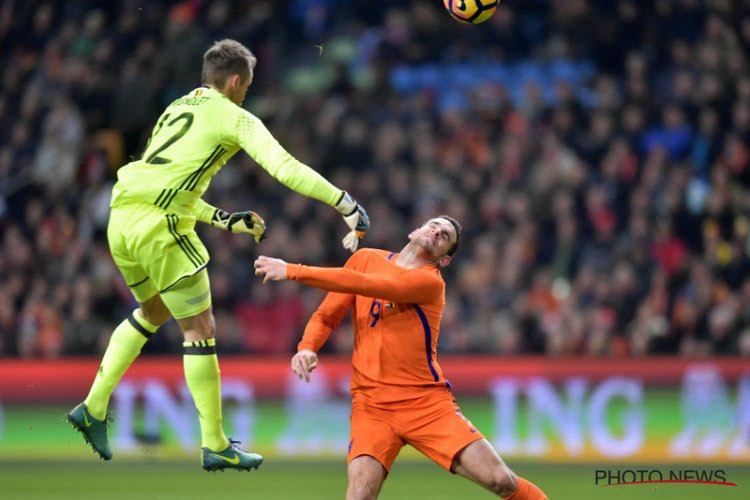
601,174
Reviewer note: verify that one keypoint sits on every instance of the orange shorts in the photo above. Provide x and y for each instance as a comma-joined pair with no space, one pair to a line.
433,424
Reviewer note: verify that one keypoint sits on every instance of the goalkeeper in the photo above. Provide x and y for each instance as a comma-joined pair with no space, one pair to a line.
155,205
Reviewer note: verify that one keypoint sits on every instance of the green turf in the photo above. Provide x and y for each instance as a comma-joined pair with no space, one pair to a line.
23,427
283,479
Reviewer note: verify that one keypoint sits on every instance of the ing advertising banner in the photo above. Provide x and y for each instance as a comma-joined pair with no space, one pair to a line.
572,410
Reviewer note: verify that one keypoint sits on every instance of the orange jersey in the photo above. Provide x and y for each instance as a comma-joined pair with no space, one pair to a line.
397,316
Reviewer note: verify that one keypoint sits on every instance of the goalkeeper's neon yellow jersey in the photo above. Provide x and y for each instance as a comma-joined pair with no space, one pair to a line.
192,139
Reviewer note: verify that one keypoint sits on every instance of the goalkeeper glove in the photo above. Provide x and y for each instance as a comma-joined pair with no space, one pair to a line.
240,222
356,218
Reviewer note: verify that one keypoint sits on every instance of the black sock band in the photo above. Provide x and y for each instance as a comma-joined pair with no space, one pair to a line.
139,327
200,347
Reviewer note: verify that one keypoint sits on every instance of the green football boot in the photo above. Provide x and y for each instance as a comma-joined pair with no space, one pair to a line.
94,431
231,458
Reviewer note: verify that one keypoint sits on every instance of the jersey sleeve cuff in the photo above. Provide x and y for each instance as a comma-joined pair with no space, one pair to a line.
306,345
204,212
293,271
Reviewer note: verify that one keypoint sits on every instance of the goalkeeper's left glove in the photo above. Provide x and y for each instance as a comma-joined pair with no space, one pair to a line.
240,222
356,218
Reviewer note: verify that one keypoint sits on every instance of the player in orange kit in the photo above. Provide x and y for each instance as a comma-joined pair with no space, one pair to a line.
399,393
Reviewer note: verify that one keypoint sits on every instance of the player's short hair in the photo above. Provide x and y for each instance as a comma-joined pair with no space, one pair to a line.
457,227
224,59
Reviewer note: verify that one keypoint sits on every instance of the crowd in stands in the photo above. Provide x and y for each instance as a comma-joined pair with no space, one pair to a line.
596,153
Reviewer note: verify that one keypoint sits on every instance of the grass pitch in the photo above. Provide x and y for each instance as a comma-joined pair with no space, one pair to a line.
313,480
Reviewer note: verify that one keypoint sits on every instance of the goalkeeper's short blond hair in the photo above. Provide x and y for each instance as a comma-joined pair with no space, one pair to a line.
224,59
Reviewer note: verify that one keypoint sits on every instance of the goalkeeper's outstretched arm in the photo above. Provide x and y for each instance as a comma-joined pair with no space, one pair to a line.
252,135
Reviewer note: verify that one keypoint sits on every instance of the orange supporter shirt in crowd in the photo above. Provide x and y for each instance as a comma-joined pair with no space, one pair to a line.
397,315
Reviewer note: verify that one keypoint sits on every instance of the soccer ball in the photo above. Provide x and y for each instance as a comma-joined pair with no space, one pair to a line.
471,11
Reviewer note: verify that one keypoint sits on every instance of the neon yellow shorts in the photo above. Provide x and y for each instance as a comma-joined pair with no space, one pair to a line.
160,253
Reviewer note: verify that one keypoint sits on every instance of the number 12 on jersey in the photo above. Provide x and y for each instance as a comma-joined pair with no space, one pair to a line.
187,121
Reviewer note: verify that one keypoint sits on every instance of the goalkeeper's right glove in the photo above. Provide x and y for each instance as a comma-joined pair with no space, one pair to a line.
356,218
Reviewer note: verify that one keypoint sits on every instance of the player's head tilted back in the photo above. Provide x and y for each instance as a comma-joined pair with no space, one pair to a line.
438,238
228,67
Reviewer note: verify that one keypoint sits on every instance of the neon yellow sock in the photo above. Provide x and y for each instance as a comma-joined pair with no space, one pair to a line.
203,379
124,346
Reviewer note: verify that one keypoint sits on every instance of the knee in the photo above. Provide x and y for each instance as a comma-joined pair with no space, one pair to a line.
502,482
155,312
202,327
361,489
209,331
155,315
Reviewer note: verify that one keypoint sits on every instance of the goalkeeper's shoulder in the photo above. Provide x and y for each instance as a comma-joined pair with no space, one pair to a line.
238,114
246,129
233,119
